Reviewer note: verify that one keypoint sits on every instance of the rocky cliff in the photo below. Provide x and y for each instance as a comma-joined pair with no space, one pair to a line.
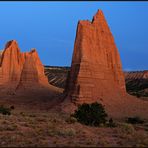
20,69
96,72
96,66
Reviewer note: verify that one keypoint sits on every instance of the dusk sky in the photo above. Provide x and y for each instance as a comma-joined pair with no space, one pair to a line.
50,27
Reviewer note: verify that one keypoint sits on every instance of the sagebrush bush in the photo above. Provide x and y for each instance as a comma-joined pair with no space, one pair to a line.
111,123
5,110
71,120
127,128
66,132
135,120
12,107
91,114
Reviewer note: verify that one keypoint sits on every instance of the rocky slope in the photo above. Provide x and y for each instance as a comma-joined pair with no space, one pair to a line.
137,83
56,75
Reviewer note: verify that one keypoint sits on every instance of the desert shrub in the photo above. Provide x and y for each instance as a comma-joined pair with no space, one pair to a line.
135,120
127,128
138,95
32,115
5,110
6,125
111,123
23,114
91,114
12,107
66,132
71,120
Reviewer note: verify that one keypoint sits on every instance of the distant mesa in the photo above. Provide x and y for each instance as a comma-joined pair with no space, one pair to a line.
136,75
137,83
145,75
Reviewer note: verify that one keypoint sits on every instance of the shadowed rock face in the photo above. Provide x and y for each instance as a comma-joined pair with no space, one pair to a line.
20,69
1,51
96,70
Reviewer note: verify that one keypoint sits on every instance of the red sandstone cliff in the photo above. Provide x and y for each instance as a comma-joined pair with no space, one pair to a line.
96,72
20,69
33,70
23,83
96,69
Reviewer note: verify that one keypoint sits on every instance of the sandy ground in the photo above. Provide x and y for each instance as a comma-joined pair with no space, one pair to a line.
36,121
45,129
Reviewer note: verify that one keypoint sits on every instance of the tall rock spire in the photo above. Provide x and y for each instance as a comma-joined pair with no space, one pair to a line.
11,64
96,70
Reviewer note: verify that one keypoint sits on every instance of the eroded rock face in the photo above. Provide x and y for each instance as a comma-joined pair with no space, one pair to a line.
1,51
96,70
96,73
33,70
20,69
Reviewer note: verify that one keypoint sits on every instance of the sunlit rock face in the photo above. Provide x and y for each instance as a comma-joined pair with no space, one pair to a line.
96,70
96,73
33,70
20,69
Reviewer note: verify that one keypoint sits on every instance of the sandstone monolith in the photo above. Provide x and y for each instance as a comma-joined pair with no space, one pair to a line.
96,70
96,73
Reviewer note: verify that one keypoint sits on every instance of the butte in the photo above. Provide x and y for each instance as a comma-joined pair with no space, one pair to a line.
22,79
96,72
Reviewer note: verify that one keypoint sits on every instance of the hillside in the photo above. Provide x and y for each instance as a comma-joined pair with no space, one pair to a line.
137,83
57,75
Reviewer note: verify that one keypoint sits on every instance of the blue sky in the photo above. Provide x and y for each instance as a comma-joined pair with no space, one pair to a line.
50,27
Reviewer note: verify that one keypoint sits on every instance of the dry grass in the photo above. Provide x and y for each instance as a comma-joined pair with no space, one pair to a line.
56,129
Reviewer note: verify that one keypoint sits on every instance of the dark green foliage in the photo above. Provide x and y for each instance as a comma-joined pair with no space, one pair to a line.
11,107
91,114
71,120
111,123
135,120
5,110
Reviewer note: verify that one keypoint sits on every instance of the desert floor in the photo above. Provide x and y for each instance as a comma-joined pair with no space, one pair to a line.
35,122
53,128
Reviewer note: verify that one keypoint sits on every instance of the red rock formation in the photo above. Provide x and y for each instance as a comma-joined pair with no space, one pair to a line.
33,70
11,65
96,70
96,73
23,82
20,69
